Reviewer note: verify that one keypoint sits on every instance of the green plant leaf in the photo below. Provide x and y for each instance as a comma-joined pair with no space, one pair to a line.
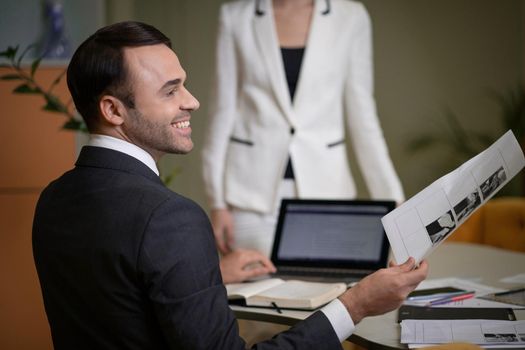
23,54
458,136
484,140
53,104
73,124
57,80
167,179
10,53
26,89
512,109
34,66
11,77
422,142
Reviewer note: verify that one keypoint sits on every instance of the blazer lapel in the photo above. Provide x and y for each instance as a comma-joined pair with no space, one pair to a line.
317,46
266,37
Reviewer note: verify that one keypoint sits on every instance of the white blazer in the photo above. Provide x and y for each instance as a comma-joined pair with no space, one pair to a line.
253,125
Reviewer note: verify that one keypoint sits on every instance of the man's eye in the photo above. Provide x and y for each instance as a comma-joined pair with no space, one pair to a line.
171,92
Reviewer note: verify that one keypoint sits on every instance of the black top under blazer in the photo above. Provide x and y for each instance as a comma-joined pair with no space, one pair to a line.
125,263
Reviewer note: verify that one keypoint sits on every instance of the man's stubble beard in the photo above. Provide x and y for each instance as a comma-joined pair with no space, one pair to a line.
156,137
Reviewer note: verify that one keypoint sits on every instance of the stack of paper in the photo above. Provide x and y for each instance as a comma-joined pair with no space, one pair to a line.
418,333
488,333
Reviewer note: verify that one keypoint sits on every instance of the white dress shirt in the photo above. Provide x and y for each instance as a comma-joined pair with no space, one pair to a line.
124,147
339,318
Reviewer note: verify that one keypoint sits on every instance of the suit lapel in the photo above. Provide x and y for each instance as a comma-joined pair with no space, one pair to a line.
317,46
266,37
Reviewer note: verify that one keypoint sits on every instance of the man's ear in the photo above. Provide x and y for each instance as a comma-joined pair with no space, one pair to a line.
112,110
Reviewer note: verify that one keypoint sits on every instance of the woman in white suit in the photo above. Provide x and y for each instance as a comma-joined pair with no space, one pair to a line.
293,83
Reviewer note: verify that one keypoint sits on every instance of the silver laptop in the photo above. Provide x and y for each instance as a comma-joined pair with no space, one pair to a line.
330,240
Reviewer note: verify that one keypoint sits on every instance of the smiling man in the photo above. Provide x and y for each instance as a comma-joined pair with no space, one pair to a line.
124,262
159,122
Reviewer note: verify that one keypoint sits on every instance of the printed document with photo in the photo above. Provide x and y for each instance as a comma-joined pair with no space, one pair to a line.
419,225
481,332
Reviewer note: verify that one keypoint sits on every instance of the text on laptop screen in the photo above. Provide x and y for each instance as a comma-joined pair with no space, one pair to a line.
334,232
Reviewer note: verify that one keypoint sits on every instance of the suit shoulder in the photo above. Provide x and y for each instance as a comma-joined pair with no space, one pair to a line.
349,6
186,204
352,13
163,198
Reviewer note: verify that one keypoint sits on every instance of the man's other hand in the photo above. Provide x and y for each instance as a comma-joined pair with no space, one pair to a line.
240,265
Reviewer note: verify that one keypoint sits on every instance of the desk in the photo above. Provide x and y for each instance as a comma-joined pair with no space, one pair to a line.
464,260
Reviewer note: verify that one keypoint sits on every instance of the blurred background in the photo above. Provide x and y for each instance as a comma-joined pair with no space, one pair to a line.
447,75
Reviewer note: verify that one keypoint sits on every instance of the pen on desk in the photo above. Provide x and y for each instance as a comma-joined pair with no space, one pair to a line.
512,291
433,297
451,299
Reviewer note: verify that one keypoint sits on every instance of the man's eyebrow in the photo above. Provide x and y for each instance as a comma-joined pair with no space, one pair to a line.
171,83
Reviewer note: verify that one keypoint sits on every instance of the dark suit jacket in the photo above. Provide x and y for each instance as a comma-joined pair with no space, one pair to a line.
125,263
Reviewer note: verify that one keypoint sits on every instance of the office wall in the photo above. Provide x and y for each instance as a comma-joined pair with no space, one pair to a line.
437,55
429,56
23,22
33,152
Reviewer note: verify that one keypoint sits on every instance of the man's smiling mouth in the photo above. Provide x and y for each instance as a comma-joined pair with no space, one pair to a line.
182,125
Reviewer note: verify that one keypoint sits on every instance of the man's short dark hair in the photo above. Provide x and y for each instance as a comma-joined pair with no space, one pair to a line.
97,66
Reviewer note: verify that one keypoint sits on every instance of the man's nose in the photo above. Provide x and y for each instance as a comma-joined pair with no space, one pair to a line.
190,102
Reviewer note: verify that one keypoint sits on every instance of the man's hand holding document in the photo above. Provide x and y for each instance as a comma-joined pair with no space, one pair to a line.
423,222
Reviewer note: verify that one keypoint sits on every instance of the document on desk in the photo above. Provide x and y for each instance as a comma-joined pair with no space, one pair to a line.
481,332
423,222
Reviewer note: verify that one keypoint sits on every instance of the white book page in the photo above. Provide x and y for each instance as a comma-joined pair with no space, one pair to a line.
423,222
299,294
302,290
248,289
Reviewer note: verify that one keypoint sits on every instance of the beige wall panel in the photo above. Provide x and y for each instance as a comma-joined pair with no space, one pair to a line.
23,322
34,150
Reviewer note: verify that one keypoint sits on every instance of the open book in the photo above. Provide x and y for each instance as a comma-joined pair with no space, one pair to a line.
292,294
422,223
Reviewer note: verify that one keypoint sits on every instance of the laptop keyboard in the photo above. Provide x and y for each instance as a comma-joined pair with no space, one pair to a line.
322,272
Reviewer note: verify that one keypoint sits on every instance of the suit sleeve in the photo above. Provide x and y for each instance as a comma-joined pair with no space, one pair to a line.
179,267
362,121
221,112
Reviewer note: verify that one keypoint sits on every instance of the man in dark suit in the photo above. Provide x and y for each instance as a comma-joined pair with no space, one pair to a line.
125,263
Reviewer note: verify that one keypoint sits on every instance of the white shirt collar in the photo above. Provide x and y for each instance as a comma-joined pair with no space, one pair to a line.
124,147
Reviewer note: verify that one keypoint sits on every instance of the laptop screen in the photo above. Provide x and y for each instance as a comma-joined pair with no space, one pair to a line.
331,233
